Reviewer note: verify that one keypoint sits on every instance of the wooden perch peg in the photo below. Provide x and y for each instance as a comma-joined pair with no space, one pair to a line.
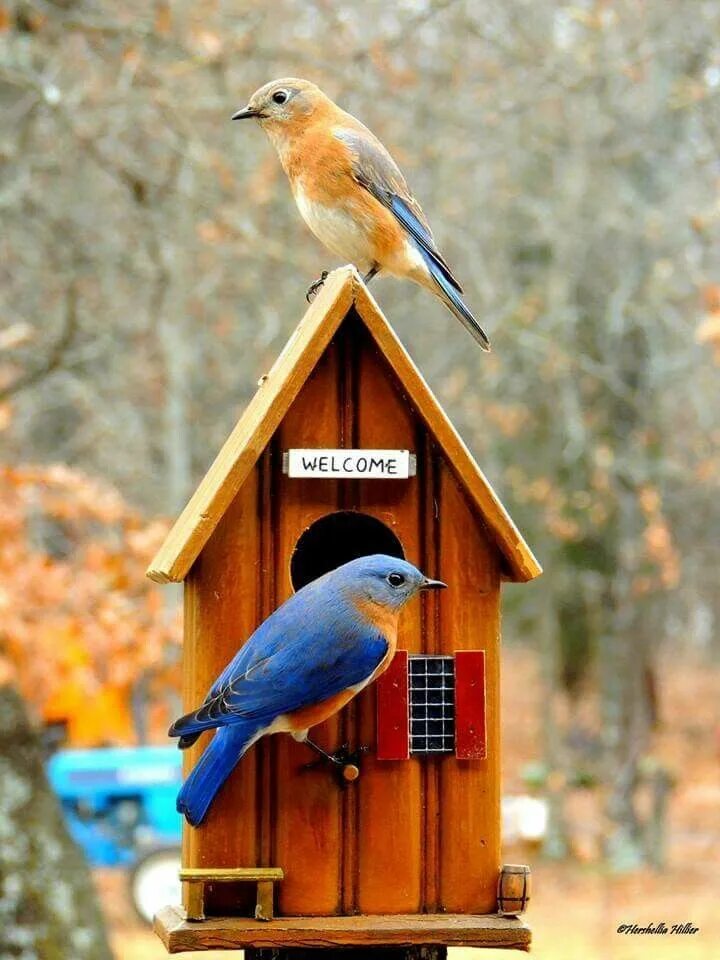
350,772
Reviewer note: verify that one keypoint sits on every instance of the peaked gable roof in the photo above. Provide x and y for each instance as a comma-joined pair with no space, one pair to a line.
342,291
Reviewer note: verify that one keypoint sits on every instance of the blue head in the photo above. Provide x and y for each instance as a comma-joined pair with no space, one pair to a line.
383,580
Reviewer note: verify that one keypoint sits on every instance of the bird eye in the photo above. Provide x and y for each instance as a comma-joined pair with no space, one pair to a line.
281,96
396,579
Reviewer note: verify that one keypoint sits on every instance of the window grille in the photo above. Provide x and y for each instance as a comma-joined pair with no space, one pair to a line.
432,704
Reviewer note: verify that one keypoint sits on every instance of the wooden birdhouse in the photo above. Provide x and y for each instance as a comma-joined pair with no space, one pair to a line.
344,451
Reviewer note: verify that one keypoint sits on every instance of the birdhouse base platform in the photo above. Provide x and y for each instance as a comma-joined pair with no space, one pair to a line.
400,930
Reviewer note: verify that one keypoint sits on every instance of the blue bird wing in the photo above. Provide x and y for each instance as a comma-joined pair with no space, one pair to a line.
241,662
307,651
375,170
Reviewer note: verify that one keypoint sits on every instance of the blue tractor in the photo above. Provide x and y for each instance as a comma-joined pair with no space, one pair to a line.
119,804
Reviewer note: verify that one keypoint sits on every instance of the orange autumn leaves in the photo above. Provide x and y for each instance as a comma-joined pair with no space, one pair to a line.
80,626
658,544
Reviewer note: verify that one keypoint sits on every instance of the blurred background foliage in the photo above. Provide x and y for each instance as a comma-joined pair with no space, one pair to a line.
153,264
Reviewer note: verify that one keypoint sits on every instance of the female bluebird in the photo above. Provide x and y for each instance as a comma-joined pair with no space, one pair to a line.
303,664
351,193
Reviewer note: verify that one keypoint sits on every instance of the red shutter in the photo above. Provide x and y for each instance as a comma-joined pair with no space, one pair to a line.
393,725
470,737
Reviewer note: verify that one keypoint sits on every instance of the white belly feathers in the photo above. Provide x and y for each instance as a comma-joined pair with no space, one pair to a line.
341,233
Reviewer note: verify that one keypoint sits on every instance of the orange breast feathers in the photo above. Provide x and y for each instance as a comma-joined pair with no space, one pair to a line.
307,717
309,152
320,170
319,166
386,622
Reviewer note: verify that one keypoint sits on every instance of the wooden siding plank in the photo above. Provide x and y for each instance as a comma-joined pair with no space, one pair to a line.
307,837
348,400
389,793
218,620
470,789
265,749
432,644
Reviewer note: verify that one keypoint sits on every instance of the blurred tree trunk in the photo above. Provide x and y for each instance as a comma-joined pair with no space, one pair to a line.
626,652
48,910
555,846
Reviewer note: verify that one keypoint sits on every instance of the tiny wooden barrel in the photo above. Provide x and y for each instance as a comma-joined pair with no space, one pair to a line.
513,889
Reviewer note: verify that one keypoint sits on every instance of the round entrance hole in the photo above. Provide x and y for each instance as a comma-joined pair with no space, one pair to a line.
336,539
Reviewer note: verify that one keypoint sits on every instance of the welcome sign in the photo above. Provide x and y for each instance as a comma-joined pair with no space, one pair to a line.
350,464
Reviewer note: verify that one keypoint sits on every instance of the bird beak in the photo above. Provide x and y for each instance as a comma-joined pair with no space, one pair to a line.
428,584
244,114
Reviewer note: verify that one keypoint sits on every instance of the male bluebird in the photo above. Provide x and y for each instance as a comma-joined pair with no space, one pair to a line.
351,193
303,664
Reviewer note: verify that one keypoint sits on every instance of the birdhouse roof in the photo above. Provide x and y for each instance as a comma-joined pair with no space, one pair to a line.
342,292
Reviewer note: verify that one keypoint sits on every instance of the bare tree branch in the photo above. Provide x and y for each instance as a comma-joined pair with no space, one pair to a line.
55,357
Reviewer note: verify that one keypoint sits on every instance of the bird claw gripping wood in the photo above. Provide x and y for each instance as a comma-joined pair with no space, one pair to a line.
348,769
315,286
344,762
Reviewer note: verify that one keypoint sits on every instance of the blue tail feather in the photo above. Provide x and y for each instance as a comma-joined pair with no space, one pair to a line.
212,770
190,726
453,301
422,237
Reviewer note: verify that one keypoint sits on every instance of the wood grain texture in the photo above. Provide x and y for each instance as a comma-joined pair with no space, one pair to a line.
470,789
266,598
514,889
389,861
193,900
307,838
221,611
349,953
348,403
431,644
231,874
233,933
342,290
